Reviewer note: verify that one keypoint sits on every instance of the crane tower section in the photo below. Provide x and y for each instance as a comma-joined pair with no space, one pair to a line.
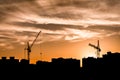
29,47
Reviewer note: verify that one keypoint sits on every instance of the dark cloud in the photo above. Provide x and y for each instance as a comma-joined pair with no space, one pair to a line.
87,3
113,28
5,38
9,38
104,6
49,26
13,1
2,17
34,7
9,8
7,35
113,3
25,33
75,3
67,9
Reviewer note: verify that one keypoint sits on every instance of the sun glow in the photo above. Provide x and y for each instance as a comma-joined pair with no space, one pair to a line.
91,55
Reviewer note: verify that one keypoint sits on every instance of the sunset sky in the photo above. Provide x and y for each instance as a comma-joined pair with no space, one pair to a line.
67,26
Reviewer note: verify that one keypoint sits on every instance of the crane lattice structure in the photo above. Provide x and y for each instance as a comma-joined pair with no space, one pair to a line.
97,48
30,46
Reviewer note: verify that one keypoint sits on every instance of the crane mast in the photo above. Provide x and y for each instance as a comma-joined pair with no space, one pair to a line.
30,46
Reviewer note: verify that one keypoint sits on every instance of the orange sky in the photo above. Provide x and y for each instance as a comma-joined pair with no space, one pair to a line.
67,27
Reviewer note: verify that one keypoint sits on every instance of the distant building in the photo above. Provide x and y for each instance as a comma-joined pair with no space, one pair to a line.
24,62
110,59
11,60
68,62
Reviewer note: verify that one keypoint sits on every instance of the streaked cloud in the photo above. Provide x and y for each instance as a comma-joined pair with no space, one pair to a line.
70,20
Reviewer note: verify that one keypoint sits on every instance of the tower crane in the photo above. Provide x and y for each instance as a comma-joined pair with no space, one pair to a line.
30,46
97,48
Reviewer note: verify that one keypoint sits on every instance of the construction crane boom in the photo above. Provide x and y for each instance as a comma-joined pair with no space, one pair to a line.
96,47
30,46
35,39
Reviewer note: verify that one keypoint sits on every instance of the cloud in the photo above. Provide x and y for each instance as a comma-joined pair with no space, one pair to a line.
70,20
112,3
20,35
6,42
13,1
113,28
79,10
49,26
75,34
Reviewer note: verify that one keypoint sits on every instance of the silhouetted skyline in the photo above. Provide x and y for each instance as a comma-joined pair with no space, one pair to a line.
106,67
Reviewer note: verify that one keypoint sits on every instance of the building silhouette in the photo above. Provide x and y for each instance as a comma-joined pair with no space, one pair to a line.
106,67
